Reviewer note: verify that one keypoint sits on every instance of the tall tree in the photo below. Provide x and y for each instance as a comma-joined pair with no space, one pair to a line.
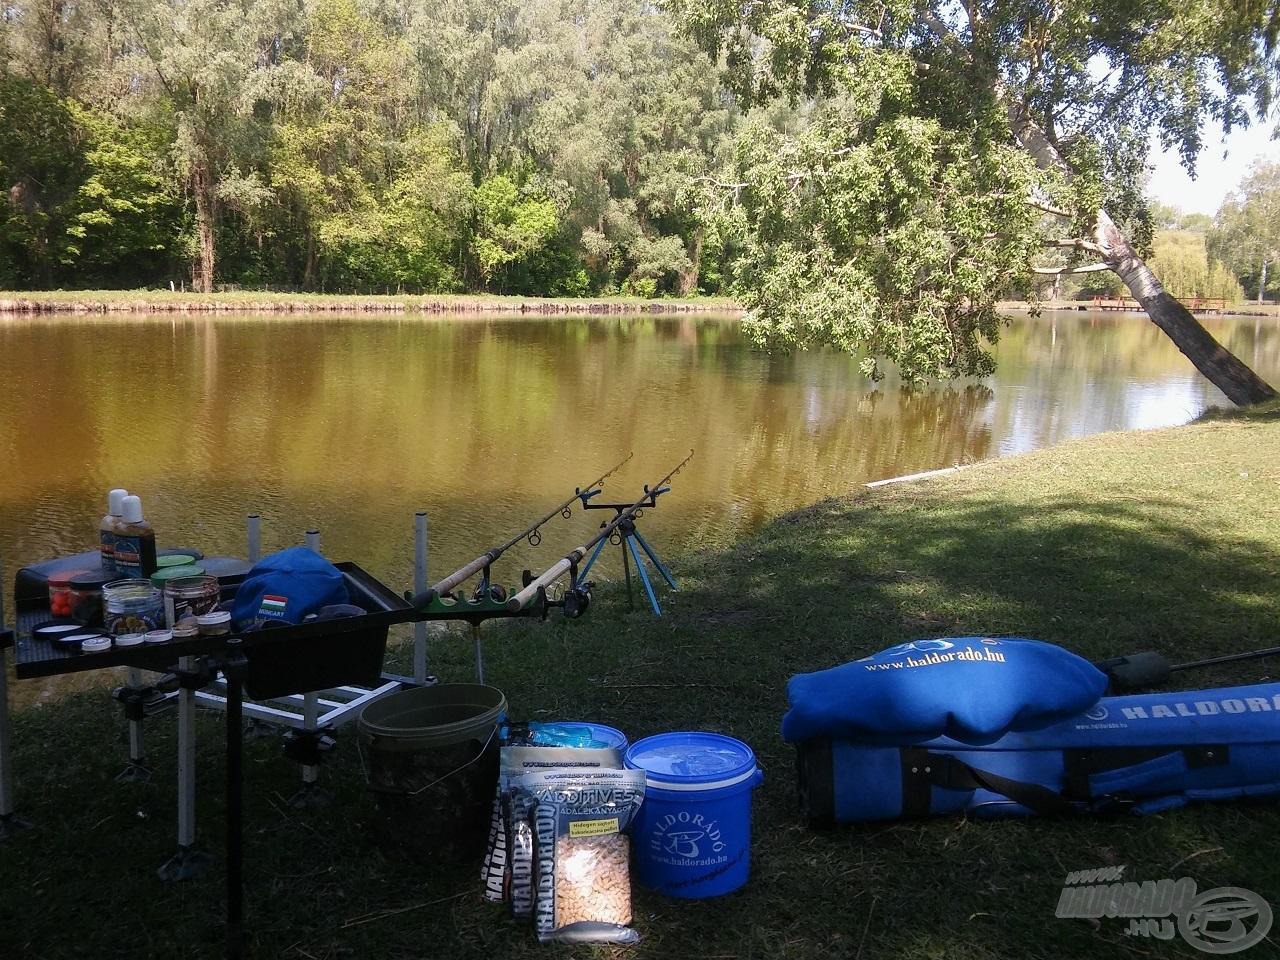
1246,234
212,66
950,141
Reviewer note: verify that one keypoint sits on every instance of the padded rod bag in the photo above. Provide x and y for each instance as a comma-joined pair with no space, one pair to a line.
1142,753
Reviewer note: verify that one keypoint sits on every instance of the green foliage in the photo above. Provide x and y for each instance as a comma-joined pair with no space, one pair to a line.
350,145
41,167
1246,233
1186,270
509,226
965,138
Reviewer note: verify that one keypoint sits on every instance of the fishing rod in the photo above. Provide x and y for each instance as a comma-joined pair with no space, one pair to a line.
486,559
1138,671
569,562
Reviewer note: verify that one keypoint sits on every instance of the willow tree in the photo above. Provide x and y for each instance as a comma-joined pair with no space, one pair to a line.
945,145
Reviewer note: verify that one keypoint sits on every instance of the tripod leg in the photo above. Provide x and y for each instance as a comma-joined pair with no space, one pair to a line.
626,572
658,564
582,574
644,576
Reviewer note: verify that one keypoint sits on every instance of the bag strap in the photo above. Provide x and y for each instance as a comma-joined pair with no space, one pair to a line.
922,770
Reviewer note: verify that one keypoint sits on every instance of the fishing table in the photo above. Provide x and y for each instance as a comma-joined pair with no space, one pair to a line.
265,664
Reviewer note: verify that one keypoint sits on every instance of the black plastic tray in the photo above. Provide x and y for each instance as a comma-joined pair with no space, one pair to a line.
282,660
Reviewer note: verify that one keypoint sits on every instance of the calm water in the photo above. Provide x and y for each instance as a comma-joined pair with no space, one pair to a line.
351,425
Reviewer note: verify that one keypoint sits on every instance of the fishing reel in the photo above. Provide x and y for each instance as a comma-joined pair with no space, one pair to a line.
576,600
489,591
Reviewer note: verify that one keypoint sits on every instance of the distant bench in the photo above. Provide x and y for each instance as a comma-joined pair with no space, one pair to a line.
1194,304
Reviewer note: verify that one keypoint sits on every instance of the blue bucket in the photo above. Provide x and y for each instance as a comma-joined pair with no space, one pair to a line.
693,832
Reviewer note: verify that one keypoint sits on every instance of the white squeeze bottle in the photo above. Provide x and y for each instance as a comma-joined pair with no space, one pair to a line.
107,529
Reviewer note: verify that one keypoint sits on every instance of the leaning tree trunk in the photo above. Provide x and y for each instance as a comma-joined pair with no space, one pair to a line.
1220,366
1227,372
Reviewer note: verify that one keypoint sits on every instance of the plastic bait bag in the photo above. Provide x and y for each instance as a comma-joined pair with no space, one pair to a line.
578,822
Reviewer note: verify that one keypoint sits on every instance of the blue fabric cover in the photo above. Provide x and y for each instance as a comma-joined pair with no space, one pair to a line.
286,587
867,781
971,689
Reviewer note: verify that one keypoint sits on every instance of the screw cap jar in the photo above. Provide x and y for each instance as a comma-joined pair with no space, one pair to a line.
132,606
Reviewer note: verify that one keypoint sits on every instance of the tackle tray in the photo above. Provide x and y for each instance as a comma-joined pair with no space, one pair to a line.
281,660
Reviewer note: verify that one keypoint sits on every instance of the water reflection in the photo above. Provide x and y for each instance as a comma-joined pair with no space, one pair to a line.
353,424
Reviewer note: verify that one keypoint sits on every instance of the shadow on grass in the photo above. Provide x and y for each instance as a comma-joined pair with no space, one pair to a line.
813,589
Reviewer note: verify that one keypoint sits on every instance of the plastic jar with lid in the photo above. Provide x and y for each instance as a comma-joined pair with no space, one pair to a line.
85,590
60,604
189,596
216,624
132,606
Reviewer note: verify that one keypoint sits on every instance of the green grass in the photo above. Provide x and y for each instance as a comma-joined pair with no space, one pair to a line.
1166,540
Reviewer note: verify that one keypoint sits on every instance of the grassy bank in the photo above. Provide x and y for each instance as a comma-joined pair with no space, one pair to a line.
1166,540
167,302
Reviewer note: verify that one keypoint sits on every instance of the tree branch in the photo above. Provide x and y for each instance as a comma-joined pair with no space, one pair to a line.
1048,208
1076,244
1058,271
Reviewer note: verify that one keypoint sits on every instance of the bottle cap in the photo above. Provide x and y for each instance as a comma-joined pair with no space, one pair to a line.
132,510
130,639
217,618
115,501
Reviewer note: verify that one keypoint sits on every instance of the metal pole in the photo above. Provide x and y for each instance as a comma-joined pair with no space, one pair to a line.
475,638
186,760
253,531
6,774
232,671
134,683
419,585
311,701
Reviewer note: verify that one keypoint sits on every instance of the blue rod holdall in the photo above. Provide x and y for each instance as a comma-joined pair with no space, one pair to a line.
1140,753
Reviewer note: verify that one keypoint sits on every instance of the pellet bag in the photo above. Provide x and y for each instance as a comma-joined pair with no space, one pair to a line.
578,821
508,864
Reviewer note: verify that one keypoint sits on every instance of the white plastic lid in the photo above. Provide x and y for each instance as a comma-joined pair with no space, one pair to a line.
132,509
129,639
213,619
115,501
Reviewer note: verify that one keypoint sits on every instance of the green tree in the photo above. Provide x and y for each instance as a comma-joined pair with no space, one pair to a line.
41,167
1246,234
948,143
510,226
211,68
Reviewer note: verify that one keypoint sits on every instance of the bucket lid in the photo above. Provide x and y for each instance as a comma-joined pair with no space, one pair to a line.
690,760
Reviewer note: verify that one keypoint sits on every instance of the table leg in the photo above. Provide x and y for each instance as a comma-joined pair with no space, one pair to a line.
233,671
136,771
187,863
9,824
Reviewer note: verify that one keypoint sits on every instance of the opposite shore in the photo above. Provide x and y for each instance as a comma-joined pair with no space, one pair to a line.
89,302
164,302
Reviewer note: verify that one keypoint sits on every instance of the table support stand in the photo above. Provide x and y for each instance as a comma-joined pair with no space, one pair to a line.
133,696
188,863
9,822
310,794
233,671
420,542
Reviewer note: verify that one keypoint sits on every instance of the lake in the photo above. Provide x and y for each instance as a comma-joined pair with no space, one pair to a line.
352,424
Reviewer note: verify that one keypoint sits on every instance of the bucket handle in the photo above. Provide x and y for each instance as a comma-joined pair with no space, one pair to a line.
413,793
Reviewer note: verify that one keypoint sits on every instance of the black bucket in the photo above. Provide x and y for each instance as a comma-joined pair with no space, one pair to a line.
431,758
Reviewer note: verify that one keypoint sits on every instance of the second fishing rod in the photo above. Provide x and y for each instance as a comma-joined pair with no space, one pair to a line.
491,556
